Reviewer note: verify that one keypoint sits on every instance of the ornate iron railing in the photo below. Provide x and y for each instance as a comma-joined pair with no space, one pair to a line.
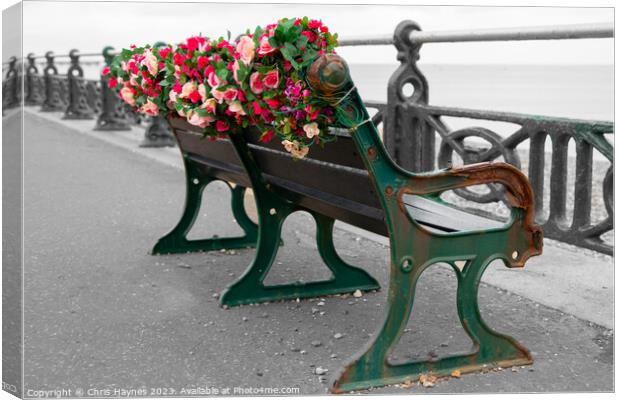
415,133
76,96
419,139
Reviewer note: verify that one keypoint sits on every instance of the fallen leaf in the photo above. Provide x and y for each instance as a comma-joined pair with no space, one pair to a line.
428,380
357,293
407,384
456,373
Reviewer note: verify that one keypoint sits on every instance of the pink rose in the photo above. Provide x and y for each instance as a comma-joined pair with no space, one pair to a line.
230,95
265,48
151,62
236,108
210,105
218,95
172,97
150,108
202,90
133,81
271,79
127,95
235,68
245,48
255,84
187,89
213,80
195,119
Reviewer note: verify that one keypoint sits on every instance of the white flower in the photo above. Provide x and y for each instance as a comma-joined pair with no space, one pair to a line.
312,130
295,149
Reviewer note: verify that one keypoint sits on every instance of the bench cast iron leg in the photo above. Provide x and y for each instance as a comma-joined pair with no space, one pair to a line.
272,211
176,241
250,288
491,349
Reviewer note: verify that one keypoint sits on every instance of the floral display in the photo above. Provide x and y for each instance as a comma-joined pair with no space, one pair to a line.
223,86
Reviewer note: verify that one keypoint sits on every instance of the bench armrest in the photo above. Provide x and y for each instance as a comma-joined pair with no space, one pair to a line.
518,188
519,193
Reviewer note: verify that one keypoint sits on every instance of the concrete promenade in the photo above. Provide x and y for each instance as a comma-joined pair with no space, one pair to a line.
102,313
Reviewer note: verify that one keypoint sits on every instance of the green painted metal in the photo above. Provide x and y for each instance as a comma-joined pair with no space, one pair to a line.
176,241
272,211
413,248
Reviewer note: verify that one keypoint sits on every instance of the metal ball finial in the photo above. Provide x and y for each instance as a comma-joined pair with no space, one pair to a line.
328,75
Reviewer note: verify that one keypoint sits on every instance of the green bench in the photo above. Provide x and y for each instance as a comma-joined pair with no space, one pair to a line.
355,181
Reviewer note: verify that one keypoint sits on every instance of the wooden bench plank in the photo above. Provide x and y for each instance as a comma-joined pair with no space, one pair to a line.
445,218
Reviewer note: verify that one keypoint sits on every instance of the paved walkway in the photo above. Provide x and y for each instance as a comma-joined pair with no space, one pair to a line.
100,312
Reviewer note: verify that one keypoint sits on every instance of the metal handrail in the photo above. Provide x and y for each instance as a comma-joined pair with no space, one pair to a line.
558,32
546,32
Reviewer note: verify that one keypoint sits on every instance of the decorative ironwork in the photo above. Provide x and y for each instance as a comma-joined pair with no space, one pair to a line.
54,90
158,133
93,95
11,85
114,114
412,127
408,139
78,107
34,83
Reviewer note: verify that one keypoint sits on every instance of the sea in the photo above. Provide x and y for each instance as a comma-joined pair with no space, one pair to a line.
572,91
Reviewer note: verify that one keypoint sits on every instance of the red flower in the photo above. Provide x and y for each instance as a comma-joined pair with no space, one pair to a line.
272,103
177,87
163,53
112,82
202,62
178,59
209,70
241,96
194,96
309,35
221,126
134,68
313,24
324,29
267,136
194,42
257,108
267,116
105,71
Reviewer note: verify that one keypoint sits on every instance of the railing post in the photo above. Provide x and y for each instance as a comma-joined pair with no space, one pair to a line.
158,132
10,86
33,87
54,97
113,115
78,107
408,138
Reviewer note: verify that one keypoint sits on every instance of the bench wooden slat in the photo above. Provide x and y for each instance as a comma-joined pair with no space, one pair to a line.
444,217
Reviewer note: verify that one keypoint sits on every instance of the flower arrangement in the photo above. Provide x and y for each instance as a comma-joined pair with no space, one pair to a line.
221,86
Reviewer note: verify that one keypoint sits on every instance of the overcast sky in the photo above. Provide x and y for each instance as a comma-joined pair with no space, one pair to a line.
89,26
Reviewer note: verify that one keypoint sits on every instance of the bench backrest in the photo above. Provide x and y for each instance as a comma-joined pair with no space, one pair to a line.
331,180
